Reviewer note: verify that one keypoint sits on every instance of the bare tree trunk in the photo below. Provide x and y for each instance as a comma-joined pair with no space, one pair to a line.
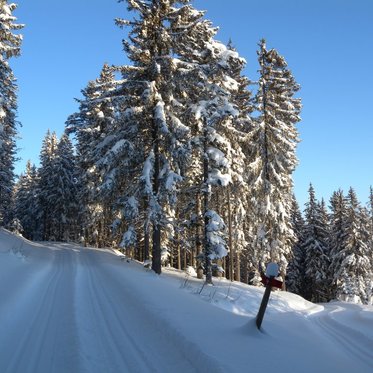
206,197
237,274
156,260
178,257
198,225
224,265
171,257
230,244
219,262
177,236
156,249
184,258
146,249
245,271
146,242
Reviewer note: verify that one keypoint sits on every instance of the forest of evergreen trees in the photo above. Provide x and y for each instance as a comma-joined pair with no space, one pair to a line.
180,159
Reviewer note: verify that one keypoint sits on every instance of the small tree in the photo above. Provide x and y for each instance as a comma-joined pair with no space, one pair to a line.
26,202
296,269
350,262
316,251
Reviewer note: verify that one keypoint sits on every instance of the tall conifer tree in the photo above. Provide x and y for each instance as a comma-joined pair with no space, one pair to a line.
45,195
10,44
337,239
273,159
63,192
161,118
97,145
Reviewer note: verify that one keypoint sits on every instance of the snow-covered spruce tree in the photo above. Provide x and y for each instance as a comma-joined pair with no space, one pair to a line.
338,207
91,126
235,205
324,218
272,159
153,112
10,44
157,127
64,192
370,208
26,206
46,187
370,212
216,134
351,265
317,282
173,52
365,235
370,241
296,268
214,113
144,140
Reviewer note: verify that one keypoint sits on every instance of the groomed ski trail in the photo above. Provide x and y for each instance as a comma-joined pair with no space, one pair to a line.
77,313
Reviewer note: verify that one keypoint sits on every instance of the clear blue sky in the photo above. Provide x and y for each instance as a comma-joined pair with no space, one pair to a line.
327,44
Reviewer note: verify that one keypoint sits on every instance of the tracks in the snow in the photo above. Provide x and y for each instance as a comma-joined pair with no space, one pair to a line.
76,315
106,322
353,342
119,328
41,337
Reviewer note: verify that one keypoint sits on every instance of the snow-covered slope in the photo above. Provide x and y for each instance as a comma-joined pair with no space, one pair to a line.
64,308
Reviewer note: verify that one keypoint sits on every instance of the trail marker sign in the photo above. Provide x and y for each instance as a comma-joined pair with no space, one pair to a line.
273,282
272,270
269,281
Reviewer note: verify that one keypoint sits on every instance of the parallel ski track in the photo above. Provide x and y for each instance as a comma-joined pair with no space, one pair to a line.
356,344
122,324
123,352
77,315
43,343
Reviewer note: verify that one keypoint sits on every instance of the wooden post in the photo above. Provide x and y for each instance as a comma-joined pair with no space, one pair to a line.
230,244
263,305
269,280
237,273
206,199
178,253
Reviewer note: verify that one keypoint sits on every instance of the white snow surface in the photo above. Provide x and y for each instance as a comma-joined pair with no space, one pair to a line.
66,308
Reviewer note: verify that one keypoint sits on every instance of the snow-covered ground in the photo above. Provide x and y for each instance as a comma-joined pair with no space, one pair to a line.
64,308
